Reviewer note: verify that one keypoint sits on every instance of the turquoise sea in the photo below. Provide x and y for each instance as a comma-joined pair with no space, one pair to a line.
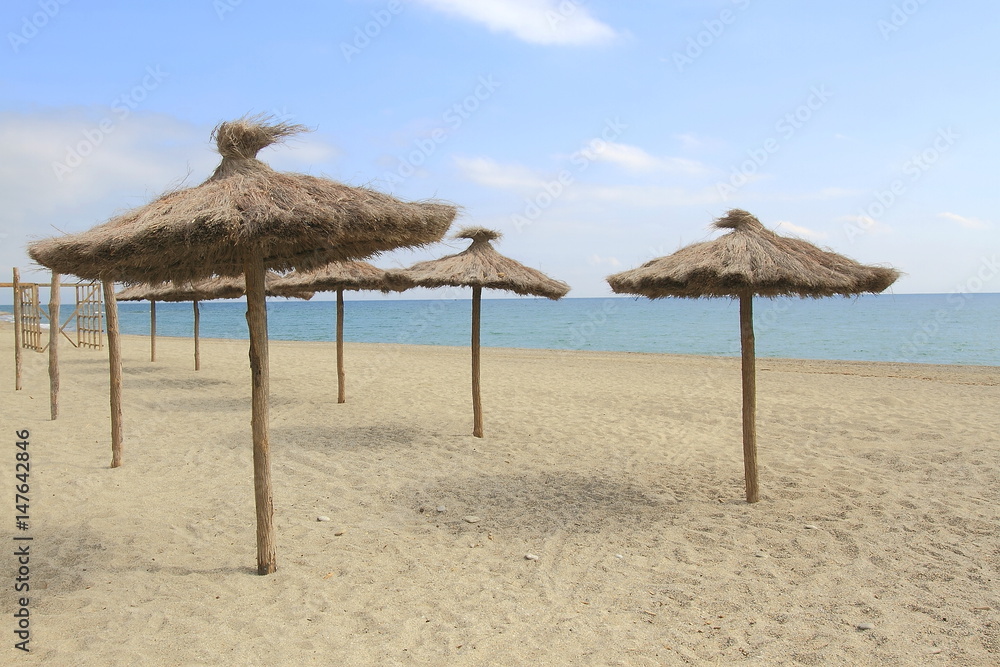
920,328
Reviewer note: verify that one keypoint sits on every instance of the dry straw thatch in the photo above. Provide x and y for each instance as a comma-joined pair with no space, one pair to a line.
751,260
197,291
478,266
339,276
200,290
244,219
295,221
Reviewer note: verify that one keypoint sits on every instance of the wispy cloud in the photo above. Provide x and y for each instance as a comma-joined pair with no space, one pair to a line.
636,159
797,230
491,173
968,223
558,22
867,223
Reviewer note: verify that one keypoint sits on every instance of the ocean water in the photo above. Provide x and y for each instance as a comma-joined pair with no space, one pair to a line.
919,328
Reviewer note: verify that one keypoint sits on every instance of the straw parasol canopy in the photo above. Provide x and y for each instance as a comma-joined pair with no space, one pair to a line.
244,219
751,260
292,221
479,266
200,290
338,276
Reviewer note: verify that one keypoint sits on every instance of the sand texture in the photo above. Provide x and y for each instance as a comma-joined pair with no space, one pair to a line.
621,472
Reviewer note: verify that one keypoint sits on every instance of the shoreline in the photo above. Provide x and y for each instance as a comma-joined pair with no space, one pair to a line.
980,368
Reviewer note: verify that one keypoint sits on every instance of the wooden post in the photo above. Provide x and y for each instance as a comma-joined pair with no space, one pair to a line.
18,365
152,330
477,403
749,396
197,353
253,270
341,391
115,362
54,331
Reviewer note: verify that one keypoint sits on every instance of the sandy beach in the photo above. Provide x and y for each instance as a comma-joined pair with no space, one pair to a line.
621,472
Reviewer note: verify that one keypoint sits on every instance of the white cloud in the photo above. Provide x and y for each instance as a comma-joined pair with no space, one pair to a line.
636,159
864,224
495,175
562,22
805,232
968,223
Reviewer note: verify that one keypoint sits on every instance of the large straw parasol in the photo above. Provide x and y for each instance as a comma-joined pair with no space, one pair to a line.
245,219
336,276
751,260
479,266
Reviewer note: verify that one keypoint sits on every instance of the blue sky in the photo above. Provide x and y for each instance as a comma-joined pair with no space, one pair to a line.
594,135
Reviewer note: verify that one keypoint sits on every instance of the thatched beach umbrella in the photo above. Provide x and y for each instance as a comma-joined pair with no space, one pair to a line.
336,276
245,219
201,290
479,266
751,260
197,291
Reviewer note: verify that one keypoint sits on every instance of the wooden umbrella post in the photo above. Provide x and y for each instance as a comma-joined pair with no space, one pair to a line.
341,390
54,347
749,396
253,269
152,330
18,365
477,402
197,352
115,362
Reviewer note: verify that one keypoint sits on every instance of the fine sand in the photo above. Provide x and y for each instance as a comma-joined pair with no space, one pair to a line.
621,472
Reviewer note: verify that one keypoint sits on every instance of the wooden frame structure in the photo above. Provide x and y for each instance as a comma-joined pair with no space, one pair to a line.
29,322
89,316
28,316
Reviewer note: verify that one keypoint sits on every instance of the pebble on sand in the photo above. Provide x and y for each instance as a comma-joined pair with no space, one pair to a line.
530,557
322,518
471,519
866,626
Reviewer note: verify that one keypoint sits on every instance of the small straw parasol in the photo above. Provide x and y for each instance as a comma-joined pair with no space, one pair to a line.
479,266
336,276
201,290
244,219
195,292
751,260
